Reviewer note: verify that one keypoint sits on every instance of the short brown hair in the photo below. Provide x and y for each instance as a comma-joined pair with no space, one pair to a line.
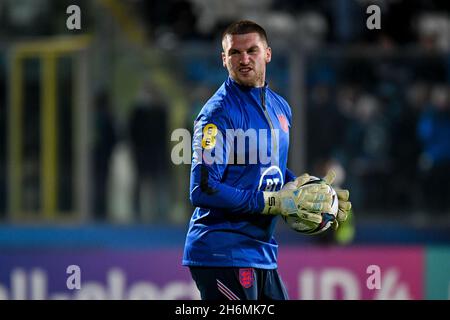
244,27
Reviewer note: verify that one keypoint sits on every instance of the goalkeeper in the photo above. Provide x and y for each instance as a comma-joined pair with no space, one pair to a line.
230,249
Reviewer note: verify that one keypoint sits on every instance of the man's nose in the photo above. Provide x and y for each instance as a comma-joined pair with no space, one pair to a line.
245,58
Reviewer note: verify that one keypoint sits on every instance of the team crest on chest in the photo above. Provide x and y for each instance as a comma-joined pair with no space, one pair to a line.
283,123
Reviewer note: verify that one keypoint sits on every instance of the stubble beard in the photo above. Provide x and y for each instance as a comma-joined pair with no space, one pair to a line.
255,81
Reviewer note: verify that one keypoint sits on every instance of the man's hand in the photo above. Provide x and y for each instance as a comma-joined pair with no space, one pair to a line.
343,199
294,199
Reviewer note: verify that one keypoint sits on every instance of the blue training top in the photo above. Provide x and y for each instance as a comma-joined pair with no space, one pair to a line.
240,149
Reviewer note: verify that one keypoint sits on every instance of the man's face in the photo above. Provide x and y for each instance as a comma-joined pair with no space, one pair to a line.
245,56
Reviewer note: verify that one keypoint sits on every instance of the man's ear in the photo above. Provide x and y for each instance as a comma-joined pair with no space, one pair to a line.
268,54
224,62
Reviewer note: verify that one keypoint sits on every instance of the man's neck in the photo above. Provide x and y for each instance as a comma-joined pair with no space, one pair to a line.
259,85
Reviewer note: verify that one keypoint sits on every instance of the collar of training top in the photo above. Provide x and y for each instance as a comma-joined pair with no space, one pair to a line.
232,82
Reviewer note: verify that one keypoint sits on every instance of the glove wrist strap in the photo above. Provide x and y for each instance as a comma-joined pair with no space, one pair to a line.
271,203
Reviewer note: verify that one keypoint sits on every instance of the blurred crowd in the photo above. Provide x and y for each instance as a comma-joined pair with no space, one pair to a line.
392,143
377,101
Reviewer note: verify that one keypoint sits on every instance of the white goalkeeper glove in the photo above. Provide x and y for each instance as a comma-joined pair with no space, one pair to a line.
343,199
294,199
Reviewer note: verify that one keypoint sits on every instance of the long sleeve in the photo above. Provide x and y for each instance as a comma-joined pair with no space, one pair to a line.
210,153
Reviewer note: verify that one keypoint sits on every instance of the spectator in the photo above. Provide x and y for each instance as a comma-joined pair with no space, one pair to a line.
149,136
323,114
105,139
368,141
434,133
405,149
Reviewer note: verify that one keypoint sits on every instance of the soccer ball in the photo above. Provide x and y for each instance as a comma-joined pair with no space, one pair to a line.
327,217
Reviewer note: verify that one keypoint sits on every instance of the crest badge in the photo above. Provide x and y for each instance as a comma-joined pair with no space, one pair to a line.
246,277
